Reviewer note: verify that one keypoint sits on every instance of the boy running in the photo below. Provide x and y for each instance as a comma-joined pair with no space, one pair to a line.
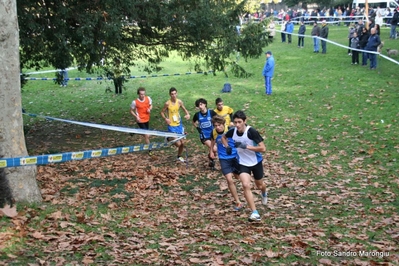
173,119
224,111
202,121
249,144
141,109
227,157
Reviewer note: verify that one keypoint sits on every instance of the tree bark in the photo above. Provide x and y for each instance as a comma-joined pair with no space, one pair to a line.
22,180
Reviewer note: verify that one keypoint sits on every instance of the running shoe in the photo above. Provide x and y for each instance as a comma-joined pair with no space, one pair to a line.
181,159
254,217
150,153
238,207
264,199
212,164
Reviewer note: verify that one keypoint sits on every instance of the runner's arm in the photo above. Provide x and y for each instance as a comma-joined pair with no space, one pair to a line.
165,107
187,116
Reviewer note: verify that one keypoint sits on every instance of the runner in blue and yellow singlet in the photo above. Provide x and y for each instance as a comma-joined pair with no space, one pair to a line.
170,112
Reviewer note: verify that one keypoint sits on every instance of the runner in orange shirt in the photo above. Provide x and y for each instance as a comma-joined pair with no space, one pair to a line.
141,109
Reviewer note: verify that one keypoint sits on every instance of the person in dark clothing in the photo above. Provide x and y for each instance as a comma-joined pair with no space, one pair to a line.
301,32
315,34
355,45
394,23
118,76
363,39
372,46
324,34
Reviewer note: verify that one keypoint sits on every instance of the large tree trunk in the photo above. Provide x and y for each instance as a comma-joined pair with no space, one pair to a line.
22,180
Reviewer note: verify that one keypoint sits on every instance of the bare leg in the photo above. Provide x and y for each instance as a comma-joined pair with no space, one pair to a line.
261,185
246,185
232,187
180,146
147,139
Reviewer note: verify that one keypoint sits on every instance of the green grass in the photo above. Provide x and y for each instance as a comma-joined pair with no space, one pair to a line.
331,169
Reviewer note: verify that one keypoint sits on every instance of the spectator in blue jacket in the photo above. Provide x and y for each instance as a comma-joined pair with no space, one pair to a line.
268,72
372,45
289,30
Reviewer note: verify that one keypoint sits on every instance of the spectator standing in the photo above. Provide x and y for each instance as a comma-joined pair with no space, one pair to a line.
389,14
301,33
268,72
352,30
394,23
306,15
324,34
372,45
313,15
346,15
283,29
271,28
118,77
331,14
359,27
339,15
377,29
379,16
64,77
363,39
355,45
370,24
290,30
315,35
141,109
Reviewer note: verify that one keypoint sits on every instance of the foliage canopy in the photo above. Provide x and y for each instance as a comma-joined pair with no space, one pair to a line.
61,33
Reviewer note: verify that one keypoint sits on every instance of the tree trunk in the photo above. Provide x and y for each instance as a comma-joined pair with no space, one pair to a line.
22,180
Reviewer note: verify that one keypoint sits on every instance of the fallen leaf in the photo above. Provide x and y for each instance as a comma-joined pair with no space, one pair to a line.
9,211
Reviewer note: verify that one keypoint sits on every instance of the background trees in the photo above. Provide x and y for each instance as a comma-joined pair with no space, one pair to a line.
91,33
94,32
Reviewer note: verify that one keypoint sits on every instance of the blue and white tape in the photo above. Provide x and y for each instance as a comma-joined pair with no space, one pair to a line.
127,77
80,155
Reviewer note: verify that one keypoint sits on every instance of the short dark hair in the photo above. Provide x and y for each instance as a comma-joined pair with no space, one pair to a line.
240,114
140,89
172,89
200,100
218,100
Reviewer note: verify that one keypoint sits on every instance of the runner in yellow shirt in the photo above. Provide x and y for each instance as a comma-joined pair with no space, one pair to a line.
170,112
224,111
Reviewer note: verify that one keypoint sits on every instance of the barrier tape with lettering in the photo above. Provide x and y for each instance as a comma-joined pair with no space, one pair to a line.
80,155
70,156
